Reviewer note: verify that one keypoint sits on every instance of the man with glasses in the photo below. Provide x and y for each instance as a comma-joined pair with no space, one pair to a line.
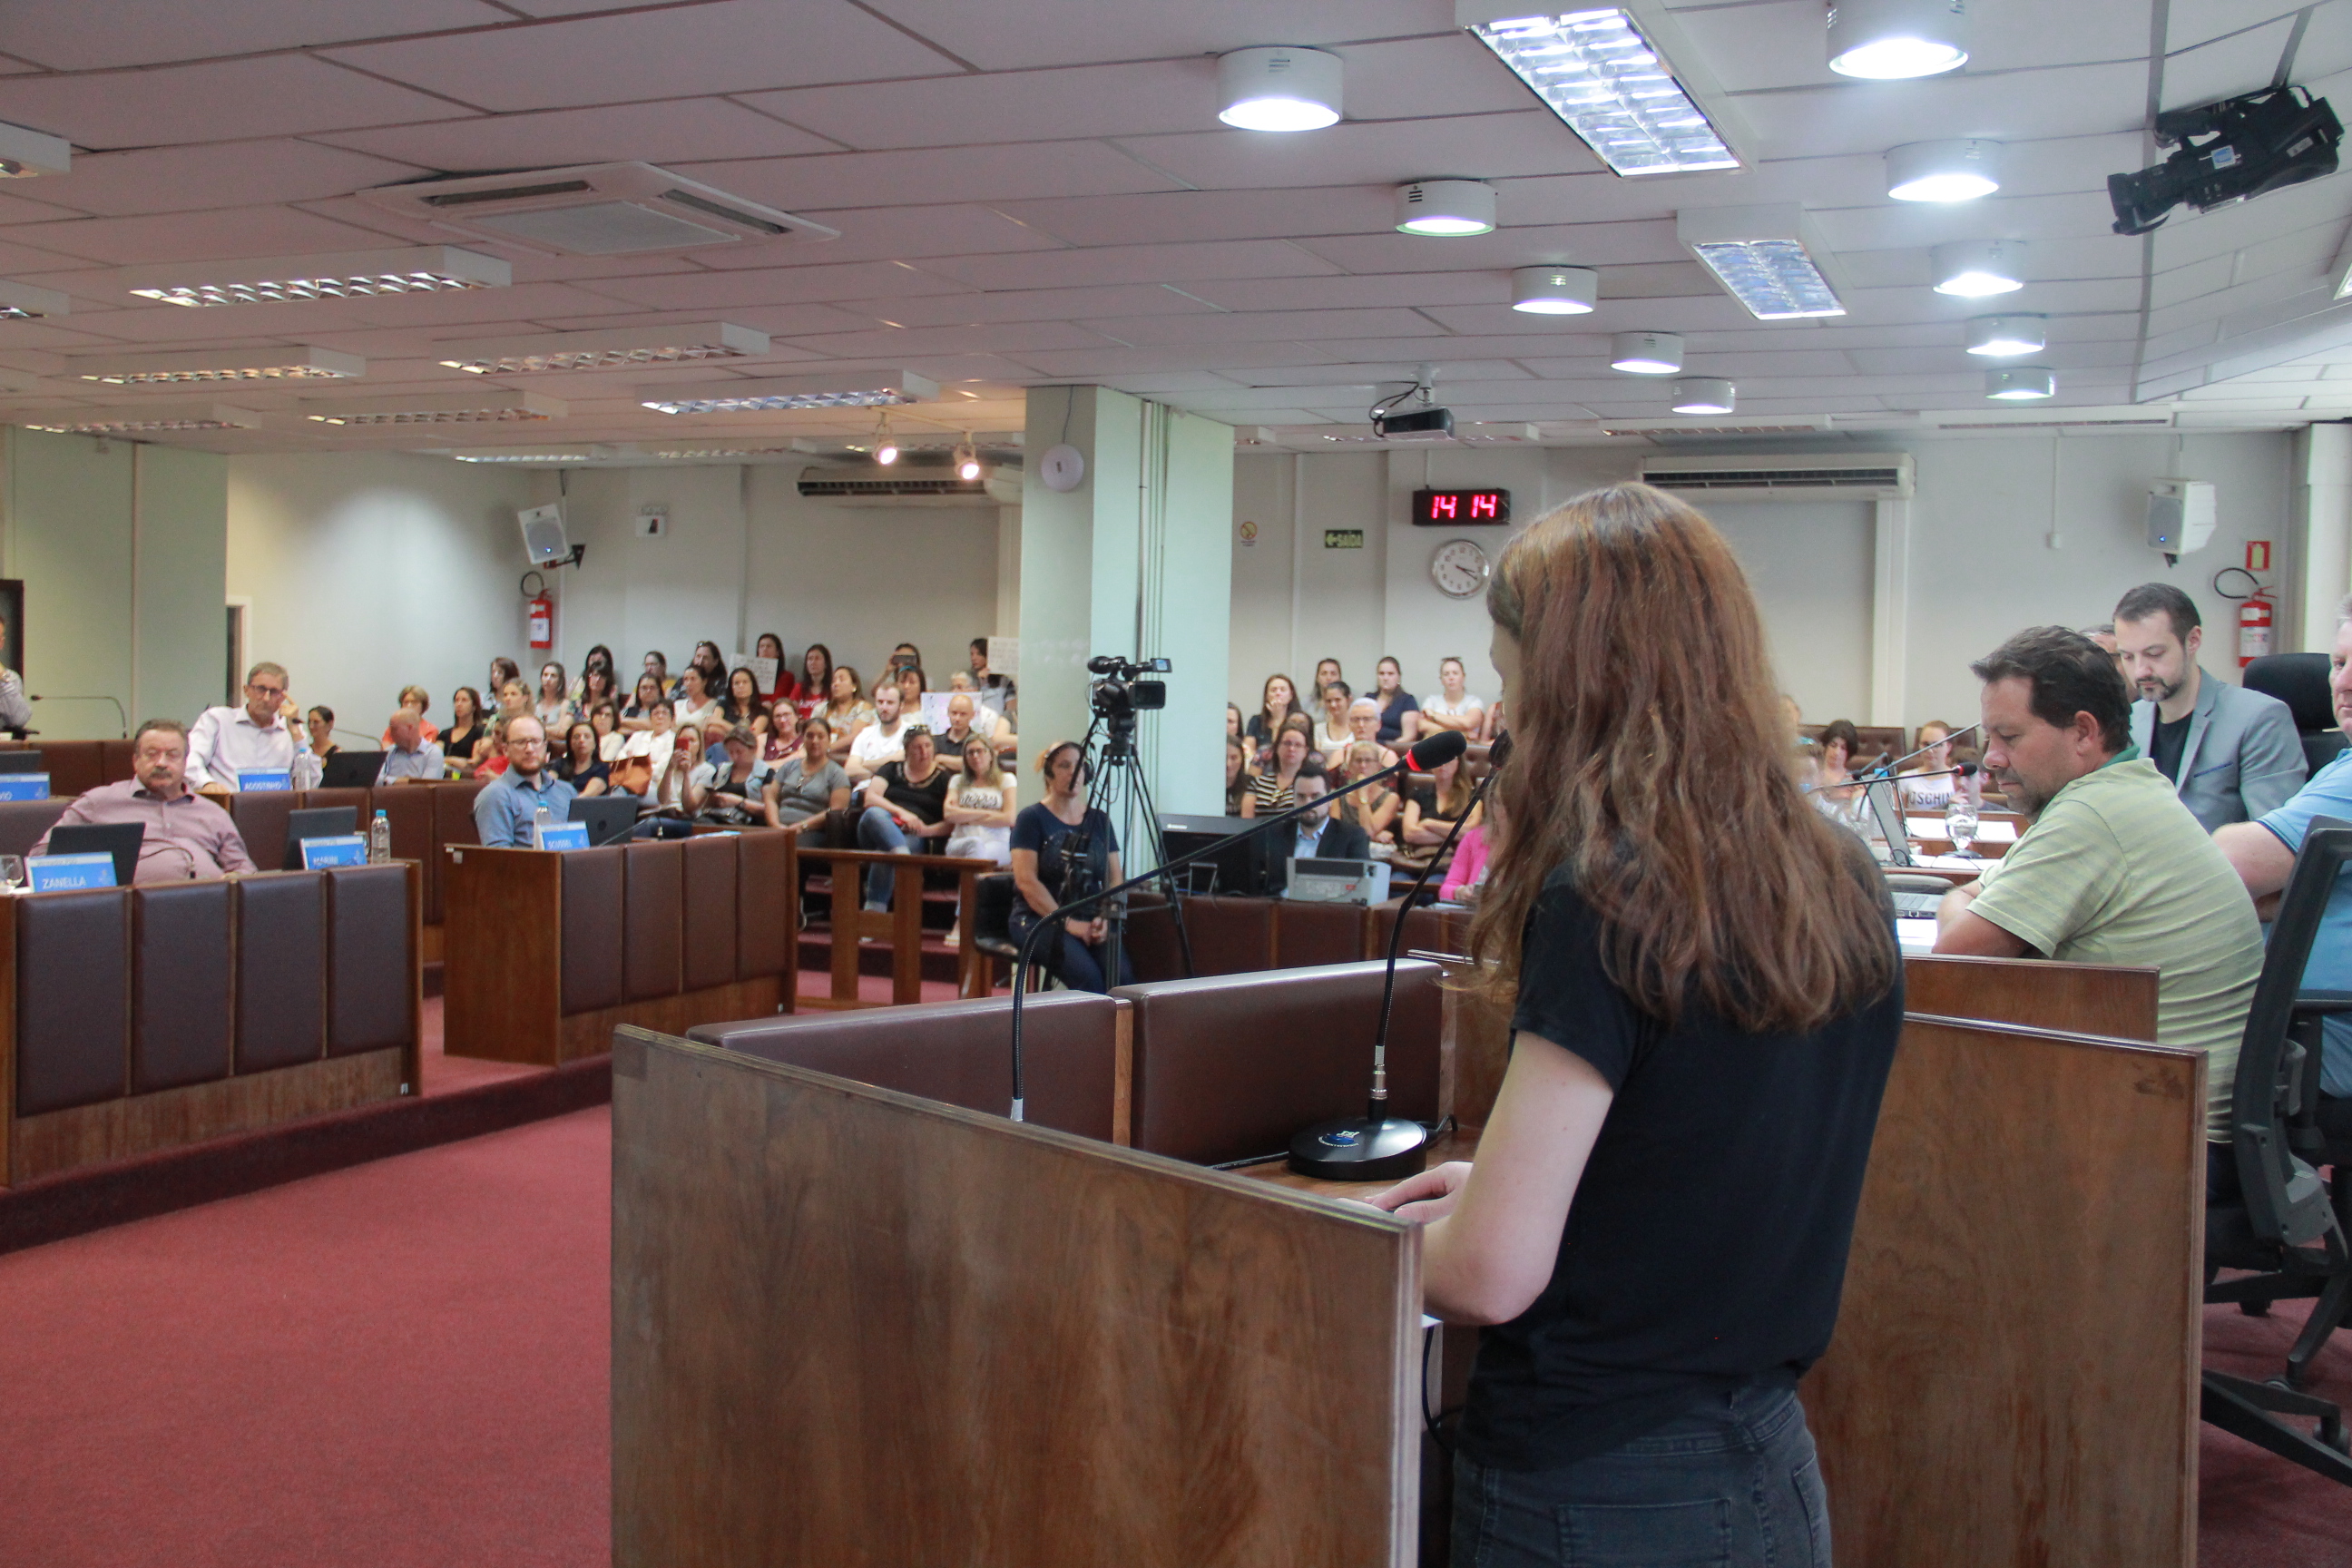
504,813
187,837
226,743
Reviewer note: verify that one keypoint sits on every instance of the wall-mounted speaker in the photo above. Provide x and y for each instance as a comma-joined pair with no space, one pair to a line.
2181,515
544,539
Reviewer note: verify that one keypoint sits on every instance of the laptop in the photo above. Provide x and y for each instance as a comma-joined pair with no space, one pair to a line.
351,770
316,822
120,839
22,762
611,818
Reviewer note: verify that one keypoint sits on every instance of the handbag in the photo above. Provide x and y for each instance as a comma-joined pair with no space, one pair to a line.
632,775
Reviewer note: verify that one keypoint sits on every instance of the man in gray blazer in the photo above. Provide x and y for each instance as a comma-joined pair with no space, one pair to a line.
2232,754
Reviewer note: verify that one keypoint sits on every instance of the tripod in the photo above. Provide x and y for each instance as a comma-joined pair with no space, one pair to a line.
1117,786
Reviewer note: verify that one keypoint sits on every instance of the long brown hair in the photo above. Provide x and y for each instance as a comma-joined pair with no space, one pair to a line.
1644,683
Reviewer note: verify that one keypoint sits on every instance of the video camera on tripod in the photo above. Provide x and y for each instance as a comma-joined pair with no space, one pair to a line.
1118,696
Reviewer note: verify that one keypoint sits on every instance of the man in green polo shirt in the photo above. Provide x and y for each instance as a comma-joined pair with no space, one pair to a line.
2113,868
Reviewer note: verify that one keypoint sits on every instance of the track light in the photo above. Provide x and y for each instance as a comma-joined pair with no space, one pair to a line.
1280,89
886,446
2020,383
1999,337
1445,207
1703,394
1944,171
1889,39
967,460
1554,290
1973,268
1647,354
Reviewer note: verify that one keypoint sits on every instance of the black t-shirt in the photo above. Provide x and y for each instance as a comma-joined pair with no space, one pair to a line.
1706,1245
1392,717
2171,740
1036,829
928,800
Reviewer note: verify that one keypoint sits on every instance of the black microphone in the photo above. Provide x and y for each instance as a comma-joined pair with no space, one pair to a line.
1427,754
1882,766
1864,781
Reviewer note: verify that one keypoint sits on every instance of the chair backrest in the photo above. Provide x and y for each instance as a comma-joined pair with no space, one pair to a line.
2299,680
992,907
2285,1200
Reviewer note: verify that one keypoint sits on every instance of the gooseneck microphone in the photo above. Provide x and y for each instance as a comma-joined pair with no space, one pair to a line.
1426,756
1863,781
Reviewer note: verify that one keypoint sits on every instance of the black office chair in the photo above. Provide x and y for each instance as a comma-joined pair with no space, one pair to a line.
993,901
2300,681
2284,1224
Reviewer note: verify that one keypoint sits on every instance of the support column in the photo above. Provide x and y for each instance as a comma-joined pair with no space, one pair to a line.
2320,517
1890,610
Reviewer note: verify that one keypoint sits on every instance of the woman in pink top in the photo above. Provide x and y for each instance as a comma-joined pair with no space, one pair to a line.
1466,878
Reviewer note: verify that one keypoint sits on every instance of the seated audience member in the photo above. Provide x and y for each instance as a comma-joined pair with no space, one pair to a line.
846,712
319,724
504,671
1929,784
1374,808
714,731
909,681
637,715
1238,776
1333,732
1322,834
188,838
411,758
668,795
768,645
1465,878
1363,729
606,719
906,656
1278,702
2262,852
599,656
514,700
226,742
1453,706
504,813
696,701
730,789
2104,634
494,757
416,697
883,740
980,807
744,702
1400,710
1495,723
1050,839
468,734
645,757
16,707
967,716
1834,794
817,680
807,786
657,664
713,665
2113,868
589,774
553,707
2232,754
1326,670
997,691
1430,811
1233,720
904,801
1274,788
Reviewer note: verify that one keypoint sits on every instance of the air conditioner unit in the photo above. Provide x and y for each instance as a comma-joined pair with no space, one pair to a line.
597,209
871,487
1813,476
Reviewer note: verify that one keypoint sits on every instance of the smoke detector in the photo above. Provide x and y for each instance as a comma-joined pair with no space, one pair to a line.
599,209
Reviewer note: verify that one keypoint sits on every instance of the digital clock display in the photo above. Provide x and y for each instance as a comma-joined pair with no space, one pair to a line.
1451,509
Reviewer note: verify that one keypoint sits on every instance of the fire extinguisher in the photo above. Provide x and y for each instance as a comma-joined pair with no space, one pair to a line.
540,612
2254,628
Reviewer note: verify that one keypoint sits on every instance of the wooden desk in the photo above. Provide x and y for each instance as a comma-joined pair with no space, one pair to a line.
901,925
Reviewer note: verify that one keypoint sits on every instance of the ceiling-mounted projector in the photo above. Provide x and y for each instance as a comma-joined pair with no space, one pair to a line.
1427,423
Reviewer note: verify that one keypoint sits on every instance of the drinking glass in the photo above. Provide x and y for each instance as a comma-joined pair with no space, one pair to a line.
12,873
1960,825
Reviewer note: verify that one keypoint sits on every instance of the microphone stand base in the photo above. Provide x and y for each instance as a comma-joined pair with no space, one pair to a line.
1358,1149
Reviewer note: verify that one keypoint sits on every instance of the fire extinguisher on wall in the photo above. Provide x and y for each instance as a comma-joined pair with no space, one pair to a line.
2254,628
539,614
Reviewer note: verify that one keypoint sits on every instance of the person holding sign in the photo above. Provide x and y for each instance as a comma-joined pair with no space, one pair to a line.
227,744
188,838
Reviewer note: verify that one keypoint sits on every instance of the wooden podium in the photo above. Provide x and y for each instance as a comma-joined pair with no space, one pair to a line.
854,1326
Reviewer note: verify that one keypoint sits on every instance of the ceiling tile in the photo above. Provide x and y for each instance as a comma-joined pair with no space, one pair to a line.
527,305
1136,264
1077,32
1026,106
776,321
241,174
187,237
1391,151
1212,214
1223,358
776,286
92,34
891,234
219,101
1600,245
2239,63
1257,326
622,132
2074,100
1033,305
999,338
933,175
1427,288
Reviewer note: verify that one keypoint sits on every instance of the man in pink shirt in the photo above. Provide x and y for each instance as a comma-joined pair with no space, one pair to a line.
188,837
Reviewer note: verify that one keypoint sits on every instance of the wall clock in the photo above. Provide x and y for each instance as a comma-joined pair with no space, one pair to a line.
1459,569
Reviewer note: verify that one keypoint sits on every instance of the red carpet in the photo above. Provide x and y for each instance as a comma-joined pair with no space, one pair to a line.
396,1365
2256,1510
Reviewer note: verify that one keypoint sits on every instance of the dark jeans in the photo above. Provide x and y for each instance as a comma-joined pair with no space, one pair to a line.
1070,961
878,830
1732,1485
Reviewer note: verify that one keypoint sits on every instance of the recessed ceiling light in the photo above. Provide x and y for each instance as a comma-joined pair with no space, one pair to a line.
1892,39
21,303
1279,88
476,406
152,416
1598,71
878,391
604,349
1646,353
276,279
1445,207
265,363
2020,383
1943,170
25,154
1554,290
1703,394
1768,258
1998,337
1972,268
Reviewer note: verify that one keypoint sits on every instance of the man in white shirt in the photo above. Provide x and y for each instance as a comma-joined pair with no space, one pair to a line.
884,741
226,743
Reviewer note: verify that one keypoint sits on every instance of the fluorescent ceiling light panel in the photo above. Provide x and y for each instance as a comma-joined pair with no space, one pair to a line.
265,363
1767,257
21,303
1606,75
1555,291
25,154
1278,88
1973,268
1703,394
541,455
605,350
1888,41
140,420
881,390
1999,337
480,406
1944,171
2020,383
1445,209
357,274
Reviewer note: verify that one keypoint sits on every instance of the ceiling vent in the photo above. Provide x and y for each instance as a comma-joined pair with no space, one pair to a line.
1862,476
866,487
600,209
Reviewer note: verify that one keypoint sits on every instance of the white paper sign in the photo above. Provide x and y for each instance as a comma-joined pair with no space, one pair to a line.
1005,656
935,711
763,670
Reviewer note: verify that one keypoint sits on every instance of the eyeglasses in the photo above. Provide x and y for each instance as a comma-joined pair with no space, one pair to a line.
261,690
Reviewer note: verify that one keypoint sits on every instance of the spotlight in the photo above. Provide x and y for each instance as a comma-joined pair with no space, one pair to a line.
1703,394
1999,337
1554,290
1972,268
1278,88
2020,383
1647,354
1445,207
2227,152
967,460
1943,170
1888,39
886,446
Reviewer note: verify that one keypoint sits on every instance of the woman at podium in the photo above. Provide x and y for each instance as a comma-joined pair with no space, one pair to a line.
1705,994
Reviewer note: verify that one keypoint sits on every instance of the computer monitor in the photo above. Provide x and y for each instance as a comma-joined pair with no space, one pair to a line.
120,839
23,762
1240,867
316,822
351,770
611,818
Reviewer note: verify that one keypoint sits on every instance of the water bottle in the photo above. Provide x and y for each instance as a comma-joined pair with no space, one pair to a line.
541,821
380,839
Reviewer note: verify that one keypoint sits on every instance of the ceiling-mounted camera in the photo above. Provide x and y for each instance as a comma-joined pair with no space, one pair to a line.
1426,423
2228,151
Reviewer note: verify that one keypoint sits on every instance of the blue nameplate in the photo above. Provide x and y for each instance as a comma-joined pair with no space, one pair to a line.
560,836
66,873
24,786
260,783
342,850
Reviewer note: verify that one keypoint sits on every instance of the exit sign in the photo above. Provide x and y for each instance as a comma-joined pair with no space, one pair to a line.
1343,539
1451,508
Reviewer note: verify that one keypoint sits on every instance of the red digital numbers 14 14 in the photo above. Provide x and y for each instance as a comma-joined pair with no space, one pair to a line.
1433,508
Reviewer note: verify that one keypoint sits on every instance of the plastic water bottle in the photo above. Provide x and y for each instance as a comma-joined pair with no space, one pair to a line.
380,839
541,821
